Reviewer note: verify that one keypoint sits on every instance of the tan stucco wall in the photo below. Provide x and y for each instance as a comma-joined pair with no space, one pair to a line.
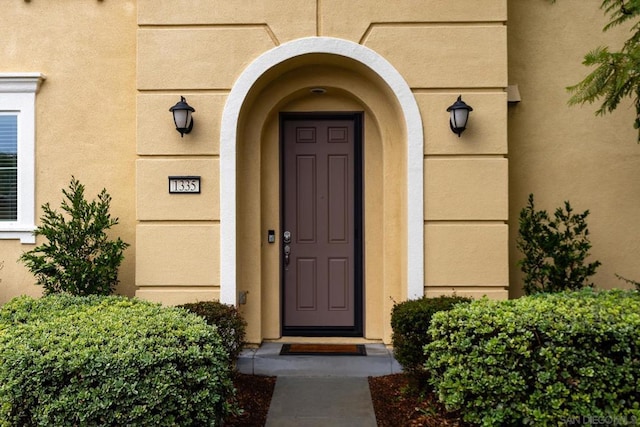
562,153
198,49
116,67
85,111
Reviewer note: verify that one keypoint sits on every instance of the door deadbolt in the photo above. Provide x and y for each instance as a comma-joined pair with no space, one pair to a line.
286,237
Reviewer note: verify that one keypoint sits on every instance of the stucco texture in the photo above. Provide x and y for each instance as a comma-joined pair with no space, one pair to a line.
85,112
115,67
560,152
200,49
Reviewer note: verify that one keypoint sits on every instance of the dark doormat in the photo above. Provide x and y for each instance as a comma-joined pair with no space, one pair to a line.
323,350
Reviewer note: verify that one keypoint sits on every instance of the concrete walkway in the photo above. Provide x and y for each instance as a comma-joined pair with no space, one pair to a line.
314,391
321,402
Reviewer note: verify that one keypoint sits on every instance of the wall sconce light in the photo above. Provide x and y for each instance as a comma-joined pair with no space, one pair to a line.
182,116
459,115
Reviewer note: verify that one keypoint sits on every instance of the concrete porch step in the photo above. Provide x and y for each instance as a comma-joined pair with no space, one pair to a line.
266,360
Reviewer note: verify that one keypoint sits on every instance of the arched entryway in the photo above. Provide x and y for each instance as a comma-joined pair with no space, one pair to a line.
354,79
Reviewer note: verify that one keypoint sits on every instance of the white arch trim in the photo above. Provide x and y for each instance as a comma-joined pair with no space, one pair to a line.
228,138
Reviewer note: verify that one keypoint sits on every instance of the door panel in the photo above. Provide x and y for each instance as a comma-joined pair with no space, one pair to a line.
321,287
338,209
305,199
339,278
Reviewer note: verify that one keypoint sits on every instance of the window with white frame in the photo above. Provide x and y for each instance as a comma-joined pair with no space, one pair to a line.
17,155
8,167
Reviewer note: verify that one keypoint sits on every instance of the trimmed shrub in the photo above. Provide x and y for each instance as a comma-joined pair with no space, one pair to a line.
78,256
109,361
549,359
555,250
231,326
410,321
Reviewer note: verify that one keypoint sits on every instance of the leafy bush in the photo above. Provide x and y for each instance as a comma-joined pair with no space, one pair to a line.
109,361
410,321
78,257
555,250
231,326
548,359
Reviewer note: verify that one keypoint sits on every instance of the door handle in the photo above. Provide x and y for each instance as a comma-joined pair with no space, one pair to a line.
286,239
287,252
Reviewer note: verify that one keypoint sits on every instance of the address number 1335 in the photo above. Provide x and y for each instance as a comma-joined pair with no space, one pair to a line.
184,184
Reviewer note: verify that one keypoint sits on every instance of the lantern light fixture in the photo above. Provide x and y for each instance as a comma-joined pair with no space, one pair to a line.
182,116
459,115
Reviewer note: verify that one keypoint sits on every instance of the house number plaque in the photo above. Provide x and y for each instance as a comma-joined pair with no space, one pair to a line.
184,184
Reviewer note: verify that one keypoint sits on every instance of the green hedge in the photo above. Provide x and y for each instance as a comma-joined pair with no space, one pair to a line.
231,326
109,361
410,321
549,359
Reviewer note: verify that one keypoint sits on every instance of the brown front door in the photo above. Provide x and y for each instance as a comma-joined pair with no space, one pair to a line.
321,241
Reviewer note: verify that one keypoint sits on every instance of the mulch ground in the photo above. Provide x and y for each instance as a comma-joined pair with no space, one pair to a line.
394,403
253,395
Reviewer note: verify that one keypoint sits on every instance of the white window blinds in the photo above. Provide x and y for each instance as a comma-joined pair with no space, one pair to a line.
8,167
